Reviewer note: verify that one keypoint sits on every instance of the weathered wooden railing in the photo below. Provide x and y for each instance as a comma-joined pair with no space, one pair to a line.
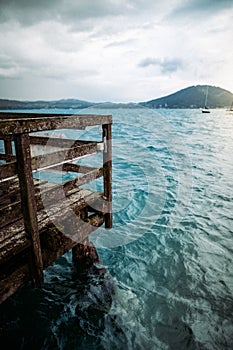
41,220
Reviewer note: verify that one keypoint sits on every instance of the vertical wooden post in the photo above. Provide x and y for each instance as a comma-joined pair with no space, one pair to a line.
8,148
76,248
107,166
28,203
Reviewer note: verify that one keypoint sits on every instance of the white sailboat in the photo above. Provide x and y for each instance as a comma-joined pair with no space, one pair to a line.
206,109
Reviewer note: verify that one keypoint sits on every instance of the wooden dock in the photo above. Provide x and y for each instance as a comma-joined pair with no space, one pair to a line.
40,220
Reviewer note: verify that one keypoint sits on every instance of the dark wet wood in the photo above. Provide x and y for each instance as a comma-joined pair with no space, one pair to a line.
77,168
47,193
7,157
57,141
8,150
13,239
8,170
84,255
45,160
81,180
28,205
15,123
40,220
53,245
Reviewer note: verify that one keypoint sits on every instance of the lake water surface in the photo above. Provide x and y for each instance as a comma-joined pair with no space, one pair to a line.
169,256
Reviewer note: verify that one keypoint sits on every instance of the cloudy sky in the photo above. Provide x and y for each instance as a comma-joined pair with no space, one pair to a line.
118,50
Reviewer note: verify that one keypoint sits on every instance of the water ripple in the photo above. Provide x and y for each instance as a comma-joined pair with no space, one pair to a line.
168,258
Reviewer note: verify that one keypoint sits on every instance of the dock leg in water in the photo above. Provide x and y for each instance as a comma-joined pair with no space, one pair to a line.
84,255
96,286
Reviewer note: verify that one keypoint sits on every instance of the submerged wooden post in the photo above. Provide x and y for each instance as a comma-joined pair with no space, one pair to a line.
107,166
84,255
28,204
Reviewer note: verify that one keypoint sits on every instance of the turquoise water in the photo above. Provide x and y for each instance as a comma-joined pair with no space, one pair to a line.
168,282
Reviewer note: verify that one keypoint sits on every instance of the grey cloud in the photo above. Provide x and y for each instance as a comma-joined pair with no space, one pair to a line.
201,7
7,79
149,62
27,12
166,65
21,67
72,12
6,62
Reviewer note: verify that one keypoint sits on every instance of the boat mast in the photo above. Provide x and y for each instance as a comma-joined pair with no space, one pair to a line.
206,95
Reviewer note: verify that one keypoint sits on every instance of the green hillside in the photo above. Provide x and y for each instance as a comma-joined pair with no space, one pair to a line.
190,97
193,97
65,103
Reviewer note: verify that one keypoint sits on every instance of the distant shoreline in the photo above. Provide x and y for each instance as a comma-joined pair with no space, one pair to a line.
192,97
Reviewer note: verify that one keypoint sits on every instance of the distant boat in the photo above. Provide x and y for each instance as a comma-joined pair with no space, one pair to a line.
206,109
230,109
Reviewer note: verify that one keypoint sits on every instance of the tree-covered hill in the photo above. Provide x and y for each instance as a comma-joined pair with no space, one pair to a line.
190,97
64,103
193,97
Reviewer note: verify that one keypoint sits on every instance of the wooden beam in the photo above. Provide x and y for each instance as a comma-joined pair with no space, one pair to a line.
45,160
57,141
28,203
7,157
54,244
15,123
81,180
8,170
76,168
12,237
11,212
10,283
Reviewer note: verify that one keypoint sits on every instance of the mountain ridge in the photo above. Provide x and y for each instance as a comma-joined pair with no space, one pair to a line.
193,97
40,104
189,97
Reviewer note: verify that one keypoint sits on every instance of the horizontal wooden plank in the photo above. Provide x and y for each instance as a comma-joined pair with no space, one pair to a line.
9,190
8,170
42,161
7,157
57,141
10,201
16,123
7,137
13,238
81,180
77,168
11,281
71,167
45,160
30,115
47,194
15,275
10,213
